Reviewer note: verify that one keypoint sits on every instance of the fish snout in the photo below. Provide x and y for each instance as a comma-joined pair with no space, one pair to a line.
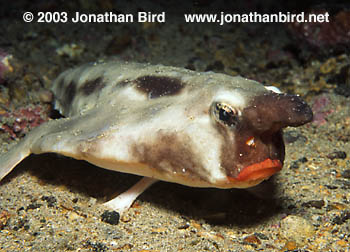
273,111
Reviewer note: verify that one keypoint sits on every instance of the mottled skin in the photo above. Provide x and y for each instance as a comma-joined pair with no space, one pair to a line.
167,123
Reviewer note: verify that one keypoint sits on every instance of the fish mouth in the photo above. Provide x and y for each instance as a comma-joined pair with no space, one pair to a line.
262,170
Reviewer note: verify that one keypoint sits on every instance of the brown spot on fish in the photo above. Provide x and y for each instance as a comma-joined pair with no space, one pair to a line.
91,86
171,155
70,93
157,86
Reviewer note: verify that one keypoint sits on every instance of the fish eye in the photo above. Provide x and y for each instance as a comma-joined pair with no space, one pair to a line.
225,114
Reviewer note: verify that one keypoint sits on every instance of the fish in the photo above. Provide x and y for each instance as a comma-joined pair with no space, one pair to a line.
199,129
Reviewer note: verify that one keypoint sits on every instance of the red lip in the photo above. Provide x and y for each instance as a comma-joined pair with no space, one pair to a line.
262,170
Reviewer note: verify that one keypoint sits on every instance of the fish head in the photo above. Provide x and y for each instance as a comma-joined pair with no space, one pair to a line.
252,146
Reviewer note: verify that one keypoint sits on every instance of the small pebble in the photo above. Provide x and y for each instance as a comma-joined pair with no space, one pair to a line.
159,230
345,184
335,206
346,173
184,225
252,239
295,164
261,236
73,216
33,206
4,217
331,187
125,218
343,243
314,203
337,155
289,246
96,246
51,200
110,217
298,229
71,50
341,219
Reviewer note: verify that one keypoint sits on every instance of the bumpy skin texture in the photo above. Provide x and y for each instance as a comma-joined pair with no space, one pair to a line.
168,123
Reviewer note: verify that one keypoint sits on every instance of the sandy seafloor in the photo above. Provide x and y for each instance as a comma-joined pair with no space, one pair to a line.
51,203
